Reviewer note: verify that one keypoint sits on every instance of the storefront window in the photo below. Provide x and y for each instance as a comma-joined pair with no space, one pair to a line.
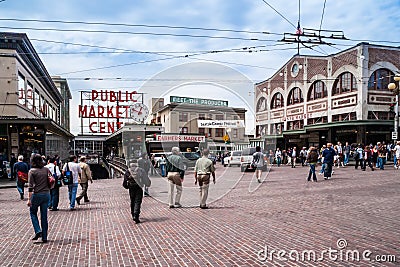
295,96
21,90
345,83
317,91
29,96
219,132
277,101
36,97
380,79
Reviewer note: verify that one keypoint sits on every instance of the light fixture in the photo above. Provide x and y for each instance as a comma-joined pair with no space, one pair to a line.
264,89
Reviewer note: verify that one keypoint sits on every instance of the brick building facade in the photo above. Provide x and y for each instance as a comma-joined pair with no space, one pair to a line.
342,97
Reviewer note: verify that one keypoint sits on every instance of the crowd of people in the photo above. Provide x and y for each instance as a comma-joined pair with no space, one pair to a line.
330,155
44,196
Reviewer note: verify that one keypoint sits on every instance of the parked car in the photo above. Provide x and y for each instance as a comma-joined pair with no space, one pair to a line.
233,159
213,158
246,159
189,159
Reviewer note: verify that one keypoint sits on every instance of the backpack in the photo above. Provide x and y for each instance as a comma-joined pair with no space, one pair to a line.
58,181
131,180
68,178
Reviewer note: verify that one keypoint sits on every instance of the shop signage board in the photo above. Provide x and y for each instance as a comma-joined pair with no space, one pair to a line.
220,123
198,101
105,111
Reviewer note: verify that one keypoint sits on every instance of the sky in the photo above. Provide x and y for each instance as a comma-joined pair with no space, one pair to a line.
210,49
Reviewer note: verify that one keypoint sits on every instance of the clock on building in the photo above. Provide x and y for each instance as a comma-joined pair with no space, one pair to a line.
139,112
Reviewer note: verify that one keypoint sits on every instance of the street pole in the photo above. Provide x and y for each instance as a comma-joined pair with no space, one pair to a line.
396,110
396,89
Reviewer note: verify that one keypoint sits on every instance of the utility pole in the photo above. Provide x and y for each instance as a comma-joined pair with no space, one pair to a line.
312,37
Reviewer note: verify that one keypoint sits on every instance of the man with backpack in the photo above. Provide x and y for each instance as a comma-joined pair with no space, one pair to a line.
135,179
72,168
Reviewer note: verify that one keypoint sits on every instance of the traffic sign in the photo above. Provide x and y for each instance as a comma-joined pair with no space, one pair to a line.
394,135
225,138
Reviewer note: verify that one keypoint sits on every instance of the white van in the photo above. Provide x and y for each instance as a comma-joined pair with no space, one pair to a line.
233,159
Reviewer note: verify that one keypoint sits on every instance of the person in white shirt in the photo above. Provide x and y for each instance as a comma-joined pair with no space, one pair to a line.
55,192
397,154
74,167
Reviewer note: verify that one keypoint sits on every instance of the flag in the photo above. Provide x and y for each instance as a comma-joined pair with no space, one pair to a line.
298,30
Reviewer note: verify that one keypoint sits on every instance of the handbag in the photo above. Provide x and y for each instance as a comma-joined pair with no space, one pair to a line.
50,179
58,179
22,177
67,179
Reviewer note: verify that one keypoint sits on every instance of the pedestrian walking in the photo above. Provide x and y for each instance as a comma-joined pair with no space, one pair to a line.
347,150
203,170
162,162
74,167
382,154
396,151
322,171
39,195
135,178
21,170
175,174
327,158
153,164
86,176
13,160
145,163
54,192
303,156
359,156
258,162
367,158
278,157
312,159
294,157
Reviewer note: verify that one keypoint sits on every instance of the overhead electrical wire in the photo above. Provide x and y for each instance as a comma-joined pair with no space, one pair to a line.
294,26
136,33
137,25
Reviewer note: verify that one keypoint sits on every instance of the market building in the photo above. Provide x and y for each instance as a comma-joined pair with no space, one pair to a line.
221,125
312,100
34,110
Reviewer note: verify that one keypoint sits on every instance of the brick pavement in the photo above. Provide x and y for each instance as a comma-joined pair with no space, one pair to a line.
283,213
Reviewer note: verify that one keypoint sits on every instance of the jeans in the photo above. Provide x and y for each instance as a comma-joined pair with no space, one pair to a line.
312,172
54,197
20,187
381,163
40,200
136,196
346,158
278,161
72,189
323,168
162,167
328,169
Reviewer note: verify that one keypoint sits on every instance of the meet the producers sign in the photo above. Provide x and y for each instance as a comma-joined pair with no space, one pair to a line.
198,101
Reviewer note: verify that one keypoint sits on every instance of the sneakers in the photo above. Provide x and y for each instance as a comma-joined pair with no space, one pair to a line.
177,205
136,220
78,201
259,180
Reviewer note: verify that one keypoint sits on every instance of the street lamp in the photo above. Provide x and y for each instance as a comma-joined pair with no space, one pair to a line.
396,88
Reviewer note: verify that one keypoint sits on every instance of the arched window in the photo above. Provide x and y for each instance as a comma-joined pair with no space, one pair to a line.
317,90
277,101
380,79
346,82
295,96
261,104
